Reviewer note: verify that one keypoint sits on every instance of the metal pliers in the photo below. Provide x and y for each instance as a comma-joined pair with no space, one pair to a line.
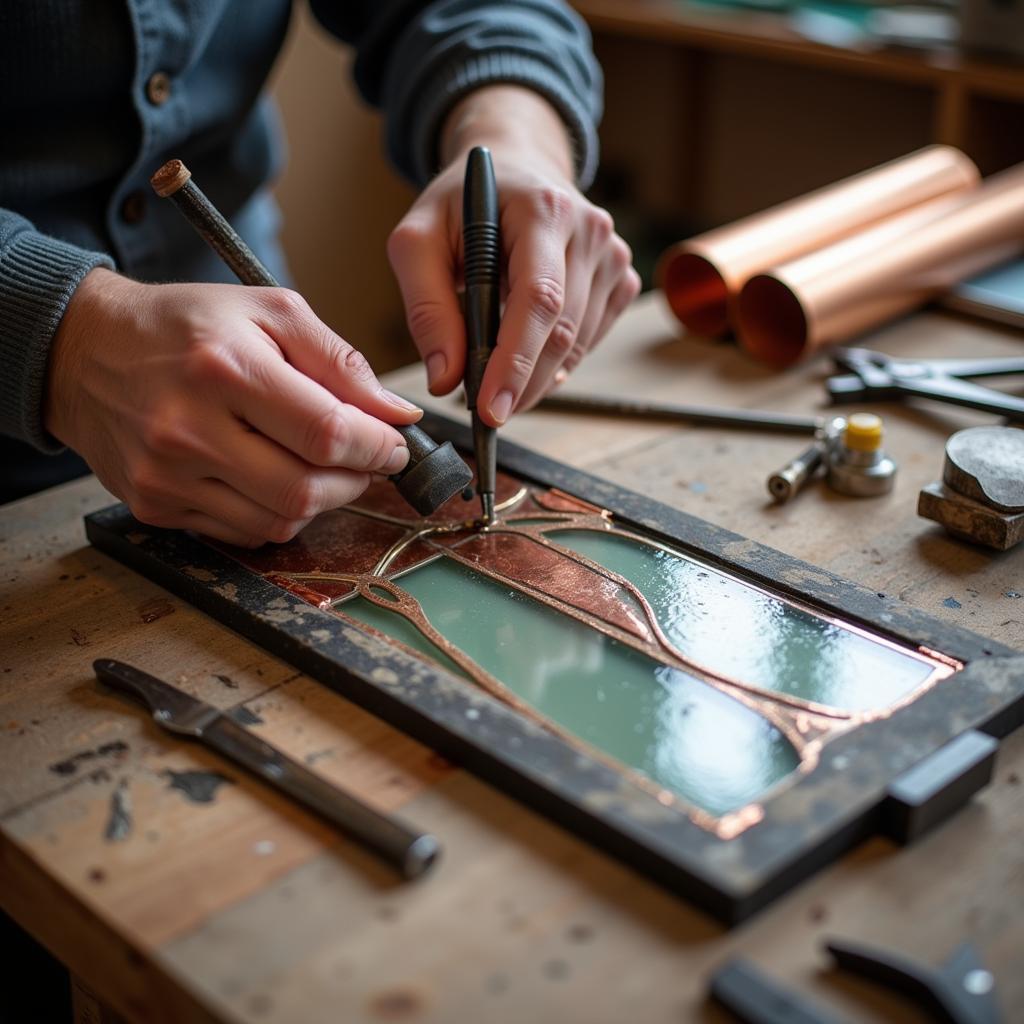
874,376
959,991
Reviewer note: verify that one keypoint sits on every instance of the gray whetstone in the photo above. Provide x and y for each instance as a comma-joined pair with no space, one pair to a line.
987,464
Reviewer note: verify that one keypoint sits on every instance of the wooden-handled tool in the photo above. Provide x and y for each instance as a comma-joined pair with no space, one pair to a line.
408,851
435,472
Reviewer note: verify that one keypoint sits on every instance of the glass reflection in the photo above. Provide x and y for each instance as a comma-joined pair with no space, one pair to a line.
741,632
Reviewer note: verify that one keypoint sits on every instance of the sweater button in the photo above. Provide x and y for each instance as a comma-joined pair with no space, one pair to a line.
133,207
158,88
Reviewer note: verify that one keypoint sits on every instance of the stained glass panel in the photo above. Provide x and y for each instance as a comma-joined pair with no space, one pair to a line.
699,685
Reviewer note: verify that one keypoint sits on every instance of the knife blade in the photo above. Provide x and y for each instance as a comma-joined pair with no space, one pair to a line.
411,852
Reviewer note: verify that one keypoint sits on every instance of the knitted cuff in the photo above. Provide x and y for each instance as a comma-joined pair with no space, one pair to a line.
446,89
38,275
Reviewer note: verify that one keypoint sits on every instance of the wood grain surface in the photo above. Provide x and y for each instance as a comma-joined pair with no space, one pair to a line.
242,907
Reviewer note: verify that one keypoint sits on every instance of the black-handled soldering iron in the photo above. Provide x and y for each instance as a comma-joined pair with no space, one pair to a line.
482,260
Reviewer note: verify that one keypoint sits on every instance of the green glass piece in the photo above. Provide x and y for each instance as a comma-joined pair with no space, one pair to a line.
687,736
749,635
398,627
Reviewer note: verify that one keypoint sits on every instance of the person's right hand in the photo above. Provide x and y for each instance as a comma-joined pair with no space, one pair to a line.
228,410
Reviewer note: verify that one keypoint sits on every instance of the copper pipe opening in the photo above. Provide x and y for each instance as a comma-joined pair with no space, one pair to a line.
854,285
696,292
771,322
701,277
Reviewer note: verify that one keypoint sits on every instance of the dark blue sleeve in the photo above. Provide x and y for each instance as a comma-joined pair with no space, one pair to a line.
415,59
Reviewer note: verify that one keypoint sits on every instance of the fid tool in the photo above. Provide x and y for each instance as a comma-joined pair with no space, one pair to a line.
434,472
874,376
482,246
980,497
406,850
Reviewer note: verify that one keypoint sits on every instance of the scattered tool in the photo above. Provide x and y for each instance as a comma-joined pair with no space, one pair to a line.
482,260
755,997
874,376
853,459
960,991
787,482
857,465
981,494
850,451
435,472
697,415
408,851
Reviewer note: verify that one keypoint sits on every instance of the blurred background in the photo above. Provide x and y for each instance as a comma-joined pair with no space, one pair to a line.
713,110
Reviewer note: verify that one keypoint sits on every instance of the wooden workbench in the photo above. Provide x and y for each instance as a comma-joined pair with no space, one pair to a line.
242,908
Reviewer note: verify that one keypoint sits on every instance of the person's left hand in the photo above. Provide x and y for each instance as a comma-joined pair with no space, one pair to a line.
569,276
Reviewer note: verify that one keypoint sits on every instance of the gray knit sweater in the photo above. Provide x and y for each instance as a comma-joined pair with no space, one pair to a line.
94,96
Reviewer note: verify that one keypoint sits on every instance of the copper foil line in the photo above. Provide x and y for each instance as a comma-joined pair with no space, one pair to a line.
702,276
729,826
404,542
764,703
515,499
369,513
951,663
844,289
408,539
381,517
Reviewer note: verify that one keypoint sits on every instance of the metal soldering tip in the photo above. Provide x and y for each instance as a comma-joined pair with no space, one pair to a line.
487,503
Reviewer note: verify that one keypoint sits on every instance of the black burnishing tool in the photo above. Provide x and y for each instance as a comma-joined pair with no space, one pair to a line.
408,851
873,376
434,472
482,261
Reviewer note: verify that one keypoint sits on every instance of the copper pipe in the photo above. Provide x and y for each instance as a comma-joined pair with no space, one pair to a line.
859,283
702,277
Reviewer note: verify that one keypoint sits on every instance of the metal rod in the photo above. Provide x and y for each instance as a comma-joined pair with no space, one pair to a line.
790,480
748,419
